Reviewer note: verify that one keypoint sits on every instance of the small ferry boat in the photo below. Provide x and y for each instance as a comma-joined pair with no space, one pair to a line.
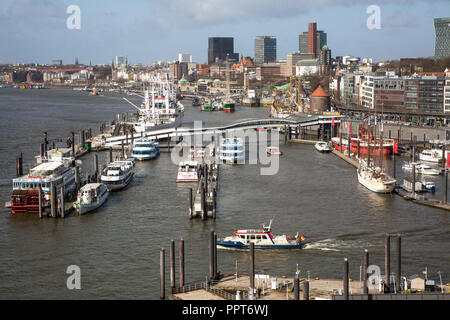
262,239
90,197
274,151
322,146
228,106
188,171
231,150
145,149
118,174
374,178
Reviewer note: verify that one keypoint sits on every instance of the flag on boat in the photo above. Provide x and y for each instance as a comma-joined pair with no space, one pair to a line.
332,122
448,159
395,147
303,238
350,128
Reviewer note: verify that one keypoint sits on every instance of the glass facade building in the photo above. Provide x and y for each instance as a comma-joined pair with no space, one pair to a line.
442,46
265,50
220,48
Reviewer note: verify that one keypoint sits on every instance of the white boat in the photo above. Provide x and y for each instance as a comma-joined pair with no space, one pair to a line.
421,168
431,155
322,146
90,197
375,179
274,151
231,150
160,111
262,239
57,167
118,174
429,185
145,149
188,171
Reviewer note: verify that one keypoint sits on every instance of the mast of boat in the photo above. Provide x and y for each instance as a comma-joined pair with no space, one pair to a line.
228,81
381,137
153,101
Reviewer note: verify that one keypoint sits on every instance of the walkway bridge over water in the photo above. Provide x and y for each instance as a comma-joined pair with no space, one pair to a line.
176,133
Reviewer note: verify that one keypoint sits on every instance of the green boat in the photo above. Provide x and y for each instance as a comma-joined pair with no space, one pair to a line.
229,107
206,107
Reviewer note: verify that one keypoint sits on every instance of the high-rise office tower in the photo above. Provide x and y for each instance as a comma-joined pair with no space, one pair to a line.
265,50
312,41
442,46
221,49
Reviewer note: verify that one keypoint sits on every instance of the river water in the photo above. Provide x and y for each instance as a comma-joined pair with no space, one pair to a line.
117,247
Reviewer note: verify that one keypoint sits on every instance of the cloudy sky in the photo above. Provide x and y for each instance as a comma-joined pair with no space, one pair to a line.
151,30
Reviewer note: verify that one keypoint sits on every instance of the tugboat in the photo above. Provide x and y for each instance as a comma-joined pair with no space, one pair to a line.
118,174
91,197
262,238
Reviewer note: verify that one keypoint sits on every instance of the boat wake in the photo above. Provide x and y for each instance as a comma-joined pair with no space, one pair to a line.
336,245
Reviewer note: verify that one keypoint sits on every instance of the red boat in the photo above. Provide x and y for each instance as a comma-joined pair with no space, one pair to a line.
25,201
388,146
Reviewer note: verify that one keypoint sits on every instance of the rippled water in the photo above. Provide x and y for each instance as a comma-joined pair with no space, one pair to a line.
117,248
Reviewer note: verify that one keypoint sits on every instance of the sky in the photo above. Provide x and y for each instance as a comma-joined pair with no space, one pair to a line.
151,30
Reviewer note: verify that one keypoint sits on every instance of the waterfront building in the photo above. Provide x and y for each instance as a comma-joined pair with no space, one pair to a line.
447,91
178,69
424,93
221,48
265,50
383,92
442,45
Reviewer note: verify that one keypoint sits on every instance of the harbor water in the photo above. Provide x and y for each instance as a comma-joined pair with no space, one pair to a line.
117,247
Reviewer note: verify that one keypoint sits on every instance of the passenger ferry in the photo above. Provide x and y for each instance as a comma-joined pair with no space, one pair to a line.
90,197
231,150
118,174
188,171
57,168
145,149
262,239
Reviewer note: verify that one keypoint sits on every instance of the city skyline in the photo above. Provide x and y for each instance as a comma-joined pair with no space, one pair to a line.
36,31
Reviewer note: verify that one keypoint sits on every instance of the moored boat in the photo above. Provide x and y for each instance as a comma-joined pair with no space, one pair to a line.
322,146
262,239
118,174
90,197
188,171
375,179
145,149
58,168
431,155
